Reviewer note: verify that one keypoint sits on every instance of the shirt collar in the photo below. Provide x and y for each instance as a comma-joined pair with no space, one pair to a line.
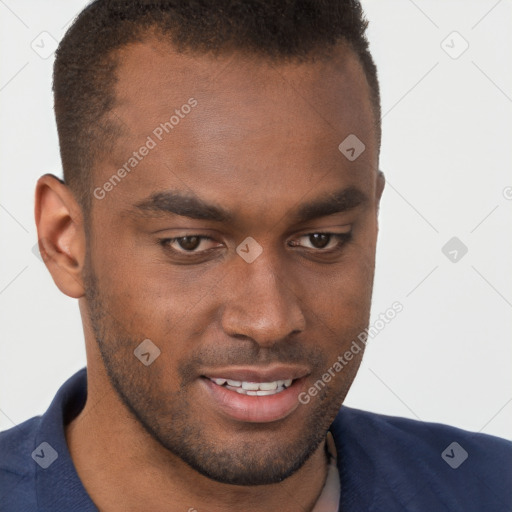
329,499
68,402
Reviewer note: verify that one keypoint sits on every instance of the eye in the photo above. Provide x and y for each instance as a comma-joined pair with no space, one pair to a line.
322,241
319,240
189,244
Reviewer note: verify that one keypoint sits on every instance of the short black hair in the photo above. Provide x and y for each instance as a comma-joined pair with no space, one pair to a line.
84,73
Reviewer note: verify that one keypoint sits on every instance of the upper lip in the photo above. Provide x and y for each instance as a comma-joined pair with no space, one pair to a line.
258,374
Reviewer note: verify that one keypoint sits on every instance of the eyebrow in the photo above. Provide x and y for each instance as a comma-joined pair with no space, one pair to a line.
338,201
183,204
187,205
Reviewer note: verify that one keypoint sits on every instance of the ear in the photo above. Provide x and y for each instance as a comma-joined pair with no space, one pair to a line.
381,182
61,235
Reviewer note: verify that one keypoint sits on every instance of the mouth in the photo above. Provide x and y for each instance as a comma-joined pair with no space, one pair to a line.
253,395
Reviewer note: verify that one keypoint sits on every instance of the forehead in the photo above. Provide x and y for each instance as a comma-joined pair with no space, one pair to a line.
221,126
153,79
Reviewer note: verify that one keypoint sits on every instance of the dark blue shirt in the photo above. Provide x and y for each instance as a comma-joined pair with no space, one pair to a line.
385,463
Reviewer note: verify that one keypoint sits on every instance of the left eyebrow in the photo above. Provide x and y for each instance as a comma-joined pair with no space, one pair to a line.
338,202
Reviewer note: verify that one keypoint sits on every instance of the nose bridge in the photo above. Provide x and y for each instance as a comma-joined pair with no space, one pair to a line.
262,306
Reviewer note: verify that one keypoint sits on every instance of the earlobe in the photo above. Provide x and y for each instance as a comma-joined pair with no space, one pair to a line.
60,232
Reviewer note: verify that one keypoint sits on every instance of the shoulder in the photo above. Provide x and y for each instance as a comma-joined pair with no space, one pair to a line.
438,463
17,469
424,435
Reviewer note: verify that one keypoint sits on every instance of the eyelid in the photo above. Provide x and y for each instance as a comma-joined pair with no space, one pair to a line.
331,229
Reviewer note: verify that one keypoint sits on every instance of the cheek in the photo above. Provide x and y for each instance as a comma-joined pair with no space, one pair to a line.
340,296
168,306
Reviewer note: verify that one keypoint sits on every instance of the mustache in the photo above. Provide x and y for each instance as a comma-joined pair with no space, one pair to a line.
243,354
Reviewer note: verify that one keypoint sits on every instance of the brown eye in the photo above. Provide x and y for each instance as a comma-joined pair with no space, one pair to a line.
319,240
322,242
189,243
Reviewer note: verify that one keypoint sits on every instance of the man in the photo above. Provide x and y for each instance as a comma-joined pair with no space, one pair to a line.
217,222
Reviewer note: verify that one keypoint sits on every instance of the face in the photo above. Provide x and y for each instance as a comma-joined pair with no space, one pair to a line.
241,243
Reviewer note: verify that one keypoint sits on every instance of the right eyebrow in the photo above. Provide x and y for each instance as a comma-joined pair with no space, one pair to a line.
175,202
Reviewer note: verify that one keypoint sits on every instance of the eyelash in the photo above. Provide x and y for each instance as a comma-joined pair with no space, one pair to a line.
343,239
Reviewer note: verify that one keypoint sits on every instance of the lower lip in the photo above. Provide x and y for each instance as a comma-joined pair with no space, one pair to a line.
255,409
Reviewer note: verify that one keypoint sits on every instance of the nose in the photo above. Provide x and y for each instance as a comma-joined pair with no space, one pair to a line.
262,306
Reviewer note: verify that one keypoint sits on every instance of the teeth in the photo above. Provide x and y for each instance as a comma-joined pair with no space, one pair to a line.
267,386
254,388
259,392
264,392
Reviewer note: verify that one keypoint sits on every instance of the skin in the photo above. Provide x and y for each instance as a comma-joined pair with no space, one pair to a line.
261,142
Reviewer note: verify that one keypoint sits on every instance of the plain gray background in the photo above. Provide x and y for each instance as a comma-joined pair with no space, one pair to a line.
446,152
